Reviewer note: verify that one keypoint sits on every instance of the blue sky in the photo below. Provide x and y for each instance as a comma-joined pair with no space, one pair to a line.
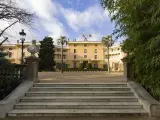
101,24
71,18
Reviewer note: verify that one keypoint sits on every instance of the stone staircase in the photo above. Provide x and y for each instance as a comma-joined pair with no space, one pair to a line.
67,99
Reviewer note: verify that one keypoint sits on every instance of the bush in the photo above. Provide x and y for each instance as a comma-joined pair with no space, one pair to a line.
89,66
81,66
7,85
105,66
9,79
92,69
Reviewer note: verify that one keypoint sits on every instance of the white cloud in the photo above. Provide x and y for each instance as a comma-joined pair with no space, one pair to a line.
13,32
94,15
43,8
47,11
55,28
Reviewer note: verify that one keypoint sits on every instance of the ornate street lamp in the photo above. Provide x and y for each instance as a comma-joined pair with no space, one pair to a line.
22,38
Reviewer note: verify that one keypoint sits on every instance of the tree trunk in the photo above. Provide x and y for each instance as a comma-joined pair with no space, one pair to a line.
62,59
108,59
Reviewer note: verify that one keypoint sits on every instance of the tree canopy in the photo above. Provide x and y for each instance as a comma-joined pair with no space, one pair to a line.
46,55
139,22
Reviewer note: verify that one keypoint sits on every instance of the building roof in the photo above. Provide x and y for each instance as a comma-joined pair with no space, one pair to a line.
58,46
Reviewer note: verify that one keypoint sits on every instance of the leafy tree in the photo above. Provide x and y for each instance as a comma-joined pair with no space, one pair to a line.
3,60
139,22
46,55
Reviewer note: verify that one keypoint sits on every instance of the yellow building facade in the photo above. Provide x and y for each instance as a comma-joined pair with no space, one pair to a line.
75,53
85,52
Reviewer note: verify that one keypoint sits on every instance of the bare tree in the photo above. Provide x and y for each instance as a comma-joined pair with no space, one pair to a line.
10,11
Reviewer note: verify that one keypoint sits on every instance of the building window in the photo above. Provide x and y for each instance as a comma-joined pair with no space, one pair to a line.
10,48
95,51
75,45
64,50
74,50
74,56
85,56
95,45
95,57
64,56
106,56
85,50
58,56
85,45
118,48
58,50
74,65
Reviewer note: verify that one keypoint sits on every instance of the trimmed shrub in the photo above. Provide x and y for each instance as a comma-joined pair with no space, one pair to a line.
81,66
105,66
89,66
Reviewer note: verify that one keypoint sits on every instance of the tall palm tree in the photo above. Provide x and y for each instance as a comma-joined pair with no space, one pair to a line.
62,41
108,42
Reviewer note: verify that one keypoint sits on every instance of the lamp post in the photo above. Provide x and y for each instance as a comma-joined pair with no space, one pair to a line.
22,38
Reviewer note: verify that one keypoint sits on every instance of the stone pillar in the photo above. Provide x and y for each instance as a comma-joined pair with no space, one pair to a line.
125,69
32,68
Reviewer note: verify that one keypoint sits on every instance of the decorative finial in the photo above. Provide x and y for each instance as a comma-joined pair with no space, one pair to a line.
33,48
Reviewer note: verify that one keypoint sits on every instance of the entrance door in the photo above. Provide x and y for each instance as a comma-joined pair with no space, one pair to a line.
85,64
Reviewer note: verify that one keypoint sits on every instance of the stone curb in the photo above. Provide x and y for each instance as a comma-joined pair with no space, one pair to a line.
151,105
8,103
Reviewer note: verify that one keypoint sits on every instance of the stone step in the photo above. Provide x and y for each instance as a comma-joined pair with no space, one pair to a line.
80,89
75,112
66,106
80,98
78,103
80,85
80,93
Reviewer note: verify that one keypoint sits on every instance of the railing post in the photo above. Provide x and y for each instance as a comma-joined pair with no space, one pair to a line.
31,72
32,63
125,69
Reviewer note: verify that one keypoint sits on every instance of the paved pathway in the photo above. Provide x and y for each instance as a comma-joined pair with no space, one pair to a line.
80,77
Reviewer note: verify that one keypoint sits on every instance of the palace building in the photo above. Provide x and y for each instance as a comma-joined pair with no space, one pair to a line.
74,54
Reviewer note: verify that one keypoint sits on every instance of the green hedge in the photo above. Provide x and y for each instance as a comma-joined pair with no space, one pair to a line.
93,69
7,85
81,66
10,78
89,66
